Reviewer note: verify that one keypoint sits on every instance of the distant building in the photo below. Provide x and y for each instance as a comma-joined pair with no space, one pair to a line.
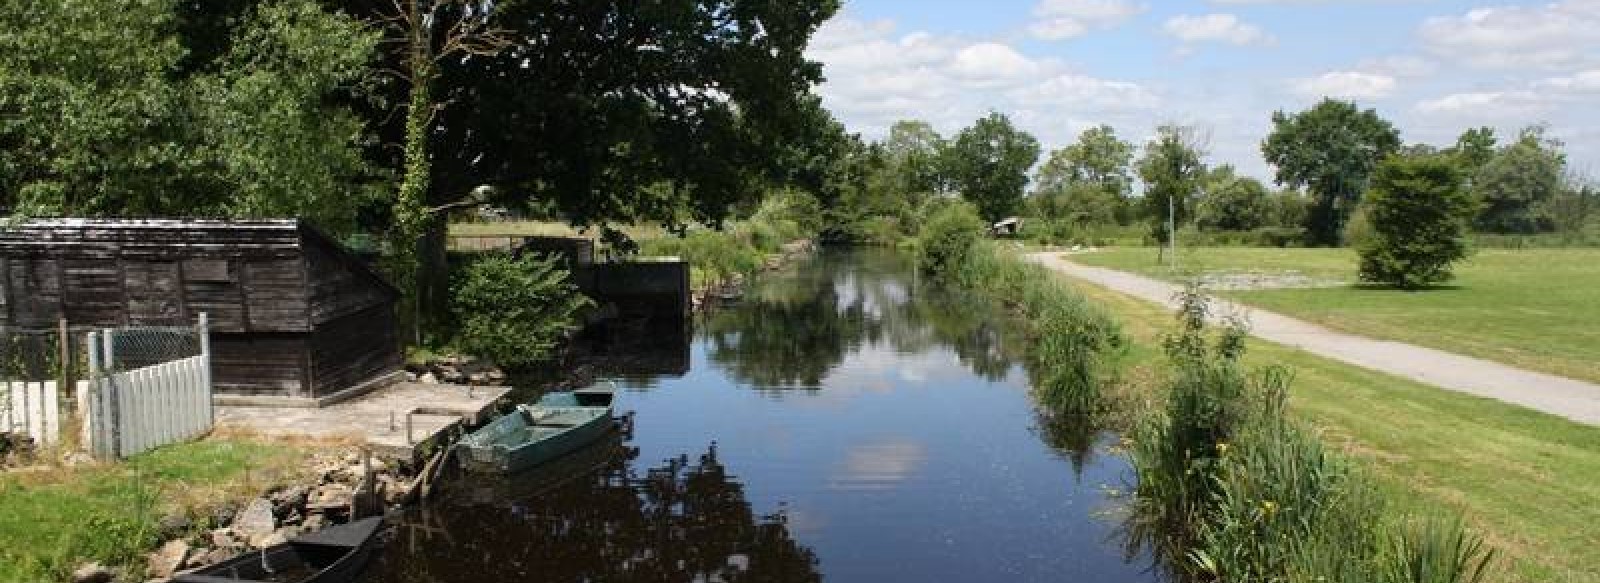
1006,227
293,314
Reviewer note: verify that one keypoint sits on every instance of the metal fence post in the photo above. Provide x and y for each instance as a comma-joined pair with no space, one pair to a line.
114,396
94,407
204,329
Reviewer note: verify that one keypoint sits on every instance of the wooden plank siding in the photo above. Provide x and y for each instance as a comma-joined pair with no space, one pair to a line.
354,349
292,313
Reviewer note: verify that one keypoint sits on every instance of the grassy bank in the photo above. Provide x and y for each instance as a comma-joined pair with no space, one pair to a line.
1533,308
1528,481
55,518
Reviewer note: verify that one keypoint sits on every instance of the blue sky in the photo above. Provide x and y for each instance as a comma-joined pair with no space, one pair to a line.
1433,67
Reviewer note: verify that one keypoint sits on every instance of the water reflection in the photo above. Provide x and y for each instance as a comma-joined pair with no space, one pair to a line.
685,519
793,329
880,430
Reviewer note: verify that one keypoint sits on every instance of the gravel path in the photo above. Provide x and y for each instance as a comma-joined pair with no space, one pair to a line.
1572,399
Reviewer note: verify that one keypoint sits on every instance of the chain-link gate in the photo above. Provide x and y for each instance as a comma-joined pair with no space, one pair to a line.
148,386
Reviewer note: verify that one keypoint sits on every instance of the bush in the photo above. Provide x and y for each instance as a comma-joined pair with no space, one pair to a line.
1418,212
516,311
947,238
1230,489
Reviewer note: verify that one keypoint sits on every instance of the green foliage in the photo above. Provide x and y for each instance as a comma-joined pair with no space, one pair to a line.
107,115
1074,342
1418,212
681,129
1087,182
947,239
989,163
1172,173
1229,489
516,311
1233,203
914,151
1473,149
1330,149
1514,186
283,147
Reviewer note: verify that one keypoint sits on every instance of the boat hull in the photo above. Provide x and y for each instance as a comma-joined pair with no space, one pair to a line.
336,554
530,436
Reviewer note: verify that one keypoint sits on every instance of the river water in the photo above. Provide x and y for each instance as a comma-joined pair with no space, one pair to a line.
840,422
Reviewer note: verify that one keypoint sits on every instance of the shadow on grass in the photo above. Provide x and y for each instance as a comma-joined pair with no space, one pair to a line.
1438,287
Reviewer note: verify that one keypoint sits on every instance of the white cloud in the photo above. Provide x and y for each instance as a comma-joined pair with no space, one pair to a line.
1561,34
877,75
992,61
1063,19
1583,82
1486,104
1223,28
1345,85
1084,92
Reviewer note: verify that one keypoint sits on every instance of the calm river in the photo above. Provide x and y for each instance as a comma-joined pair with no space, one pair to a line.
839,423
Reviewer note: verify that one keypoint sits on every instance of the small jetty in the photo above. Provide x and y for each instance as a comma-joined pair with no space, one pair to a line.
395,421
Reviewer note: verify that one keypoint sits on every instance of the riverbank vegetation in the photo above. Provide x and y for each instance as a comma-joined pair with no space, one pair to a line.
1521,478
1227,486
53,518
1500,306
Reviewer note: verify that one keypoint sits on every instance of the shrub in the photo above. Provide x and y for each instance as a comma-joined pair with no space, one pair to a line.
515,311
947,238
1418,211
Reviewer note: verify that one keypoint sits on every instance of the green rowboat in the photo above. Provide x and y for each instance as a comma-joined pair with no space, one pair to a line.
533,434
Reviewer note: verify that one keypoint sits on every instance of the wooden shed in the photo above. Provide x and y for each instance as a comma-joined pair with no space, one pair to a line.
293,314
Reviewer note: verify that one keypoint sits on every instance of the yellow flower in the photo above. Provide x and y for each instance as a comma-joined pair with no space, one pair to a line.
1222,448
1269,507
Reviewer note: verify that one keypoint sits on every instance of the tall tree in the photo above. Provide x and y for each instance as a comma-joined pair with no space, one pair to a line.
166,108
1099,160
278,139
1514,186
1418,209
1230,202
1474,148
1331,150
1172,172
990,162
913,149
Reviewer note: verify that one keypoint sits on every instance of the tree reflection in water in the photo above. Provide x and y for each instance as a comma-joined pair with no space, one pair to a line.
792,329
681,521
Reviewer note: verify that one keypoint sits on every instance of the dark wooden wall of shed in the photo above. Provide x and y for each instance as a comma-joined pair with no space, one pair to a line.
354,349
260,364
340,283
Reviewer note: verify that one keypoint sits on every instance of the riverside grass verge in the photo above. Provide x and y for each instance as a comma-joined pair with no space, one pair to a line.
1537,309
1526,480
1281,506
1074,343
56,518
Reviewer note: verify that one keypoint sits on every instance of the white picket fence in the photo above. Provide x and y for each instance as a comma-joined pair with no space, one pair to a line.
33,409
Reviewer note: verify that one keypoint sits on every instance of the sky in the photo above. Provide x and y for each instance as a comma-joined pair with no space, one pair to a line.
1057,67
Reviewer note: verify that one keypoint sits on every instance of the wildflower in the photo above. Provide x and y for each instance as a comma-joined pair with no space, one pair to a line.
1269,507
1222,448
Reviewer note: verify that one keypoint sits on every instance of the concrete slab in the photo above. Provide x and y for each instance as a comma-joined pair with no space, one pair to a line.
378,419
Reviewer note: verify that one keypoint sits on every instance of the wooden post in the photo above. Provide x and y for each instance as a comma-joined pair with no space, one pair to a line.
65,342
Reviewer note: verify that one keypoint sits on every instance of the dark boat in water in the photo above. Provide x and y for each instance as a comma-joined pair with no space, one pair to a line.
533,434
336,554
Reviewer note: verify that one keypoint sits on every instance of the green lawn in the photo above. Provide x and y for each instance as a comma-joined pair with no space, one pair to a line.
1529,481
54,519
1538,309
